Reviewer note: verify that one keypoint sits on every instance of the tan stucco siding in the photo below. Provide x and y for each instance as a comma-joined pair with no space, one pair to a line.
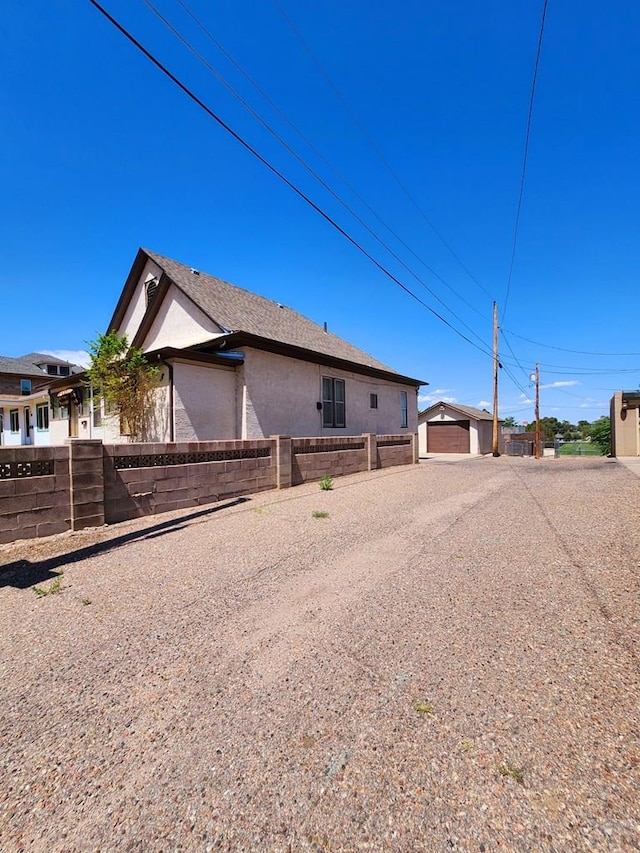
137,307
625,428
179,323
204,402
281,396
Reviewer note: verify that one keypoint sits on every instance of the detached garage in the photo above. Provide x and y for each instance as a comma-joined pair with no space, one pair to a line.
450,428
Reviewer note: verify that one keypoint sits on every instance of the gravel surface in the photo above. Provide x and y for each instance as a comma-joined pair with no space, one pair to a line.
447,662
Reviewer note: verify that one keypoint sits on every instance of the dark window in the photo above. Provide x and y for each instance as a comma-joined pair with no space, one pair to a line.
52,369
14,420
25,386
333,402
42,416
64,370
373,401
404,414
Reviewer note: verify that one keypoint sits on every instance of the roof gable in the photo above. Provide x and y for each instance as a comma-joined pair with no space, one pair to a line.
230,309
469,411
234,309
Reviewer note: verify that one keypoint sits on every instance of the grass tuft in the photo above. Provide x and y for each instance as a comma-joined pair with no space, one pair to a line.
326,483
53,588
320,513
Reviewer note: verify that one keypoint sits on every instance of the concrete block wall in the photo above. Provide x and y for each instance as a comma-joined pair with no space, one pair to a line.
32,506
344,455
400,452
139,491
93,484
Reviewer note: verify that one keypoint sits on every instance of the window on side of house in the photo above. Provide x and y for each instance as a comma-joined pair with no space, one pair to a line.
14,420
404,411
42,416
373,401
64,370
25,386
333,402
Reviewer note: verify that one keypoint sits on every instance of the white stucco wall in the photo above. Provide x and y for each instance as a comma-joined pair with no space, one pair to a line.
204,402
37,437
179,323
279,395
138,305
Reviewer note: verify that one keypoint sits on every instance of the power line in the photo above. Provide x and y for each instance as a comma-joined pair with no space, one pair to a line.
525,157
372,144
305,165
575,351
199,102
315,150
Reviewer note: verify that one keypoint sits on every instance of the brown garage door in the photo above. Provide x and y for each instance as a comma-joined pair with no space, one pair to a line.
448,437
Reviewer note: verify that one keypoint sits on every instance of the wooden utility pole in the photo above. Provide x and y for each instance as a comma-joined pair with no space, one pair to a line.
494,442
537,411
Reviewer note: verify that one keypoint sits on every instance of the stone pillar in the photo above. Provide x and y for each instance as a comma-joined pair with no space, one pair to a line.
284,459
86,483
415,448
371,449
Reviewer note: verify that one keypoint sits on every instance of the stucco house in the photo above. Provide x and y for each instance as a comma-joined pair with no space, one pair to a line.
25,413
234,365
453,428
625,423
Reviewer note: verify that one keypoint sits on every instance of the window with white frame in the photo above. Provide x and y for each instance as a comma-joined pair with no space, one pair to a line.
404,410
42,416
14,420
25,386
333,402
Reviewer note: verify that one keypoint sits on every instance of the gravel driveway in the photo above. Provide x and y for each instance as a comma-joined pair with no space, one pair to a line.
448,661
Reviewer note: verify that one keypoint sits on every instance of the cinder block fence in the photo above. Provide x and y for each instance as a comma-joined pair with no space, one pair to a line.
45,490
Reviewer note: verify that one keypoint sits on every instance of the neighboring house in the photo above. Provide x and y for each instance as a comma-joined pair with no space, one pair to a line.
625,423
25,411
236,365
452,428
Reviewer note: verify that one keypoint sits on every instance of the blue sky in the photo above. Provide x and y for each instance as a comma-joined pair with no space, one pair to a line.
420,106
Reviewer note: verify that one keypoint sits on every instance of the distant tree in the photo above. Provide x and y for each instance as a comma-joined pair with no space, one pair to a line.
600,433
124,378
583,428
509,422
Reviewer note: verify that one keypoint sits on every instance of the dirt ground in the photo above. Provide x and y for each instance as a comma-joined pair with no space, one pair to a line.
442,657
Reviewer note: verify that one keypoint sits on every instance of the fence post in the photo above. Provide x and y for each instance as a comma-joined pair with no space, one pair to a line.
284,460
86,483
415,448
371,449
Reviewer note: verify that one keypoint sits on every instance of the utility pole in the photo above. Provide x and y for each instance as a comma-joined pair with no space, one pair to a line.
494,443
537,410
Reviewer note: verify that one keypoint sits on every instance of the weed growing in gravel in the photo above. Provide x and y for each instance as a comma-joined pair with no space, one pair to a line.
509,769
261,510
423,707
53,589
326,483
467,745
320,513
86,601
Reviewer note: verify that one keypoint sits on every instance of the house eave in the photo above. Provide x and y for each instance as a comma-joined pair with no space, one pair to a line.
240,339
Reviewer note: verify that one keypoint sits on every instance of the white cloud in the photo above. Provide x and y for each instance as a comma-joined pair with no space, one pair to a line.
483,404
563,383
75,356
437,396
525,399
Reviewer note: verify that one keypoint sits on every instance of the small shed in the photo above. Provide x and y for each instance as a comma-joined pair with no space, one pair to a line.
452,428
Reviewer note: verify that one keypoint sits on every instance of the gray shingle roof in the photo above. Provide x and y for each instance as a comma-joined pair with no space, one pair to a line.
44,358
22,365
238,310
470,411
